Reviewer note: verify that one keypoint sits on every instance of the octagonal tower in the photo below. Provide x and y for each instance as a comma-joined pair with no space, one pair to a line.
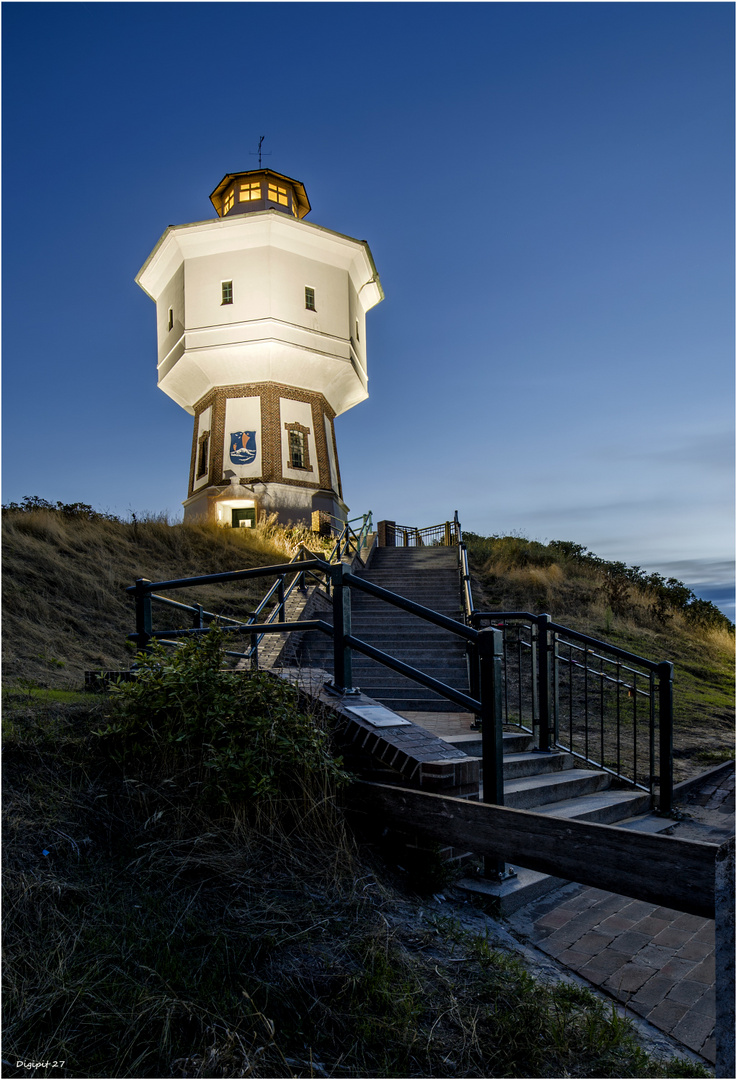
261,327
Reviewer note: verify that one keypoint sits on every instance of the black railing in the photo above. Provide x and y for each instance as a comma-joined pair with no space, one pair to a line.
303,566
602,704
442,535
606,706
487,642
348,542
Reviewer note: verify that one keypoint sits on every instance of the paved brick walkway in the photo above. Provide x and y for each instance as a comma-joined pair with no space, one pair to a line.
657,962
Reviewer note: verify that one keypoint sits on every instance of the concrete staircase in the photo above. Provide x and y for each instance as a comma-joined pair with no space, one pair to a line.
429,576
554,784
547,783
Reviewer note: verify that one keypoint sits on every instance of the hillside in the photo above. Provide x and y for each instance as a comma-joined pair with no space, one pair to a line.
180,861
65,572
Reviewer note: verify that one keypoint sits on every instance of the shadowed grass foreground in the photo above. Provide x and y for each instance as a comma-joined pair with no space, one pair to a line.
156,928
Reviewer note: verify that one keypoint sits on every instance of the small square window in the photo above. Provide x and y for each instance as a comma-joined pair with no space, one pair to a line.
249,192
278,194
227,292
310,298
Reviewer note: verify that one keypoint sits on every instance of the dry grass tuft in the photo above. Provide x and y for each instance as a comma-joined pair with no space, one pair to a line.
64,580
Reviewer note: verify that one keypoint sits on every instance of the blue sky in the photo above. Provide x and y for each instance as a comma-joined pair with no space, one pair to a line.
548,193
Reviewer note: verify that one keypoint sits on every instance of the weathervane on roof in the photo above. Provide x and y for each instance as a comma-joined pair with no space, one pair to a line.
254,152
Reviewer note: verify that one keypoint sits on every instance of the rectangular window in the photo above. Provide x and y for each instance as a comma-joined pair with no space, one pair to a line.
202,456
296,449
229,201
171,319
310,298
358,337
227,292
249,192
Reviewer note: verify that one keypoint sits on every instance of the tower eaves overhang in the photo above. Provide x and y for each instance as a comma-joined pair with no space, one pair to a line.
257,230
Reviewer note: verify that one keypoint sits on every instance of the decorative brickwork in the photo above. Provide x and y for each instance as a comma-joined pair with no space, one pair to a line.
270,435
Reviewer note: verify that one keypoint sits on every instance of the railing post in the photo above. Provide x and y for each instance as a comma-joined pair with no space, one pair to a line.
665,716
556,691
490,646
281,617
543,677
197,620
342,657
144,619
447,534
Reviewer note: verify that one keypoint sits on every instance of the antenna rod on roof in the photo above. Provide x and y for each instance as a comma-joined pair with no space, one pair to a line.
254,152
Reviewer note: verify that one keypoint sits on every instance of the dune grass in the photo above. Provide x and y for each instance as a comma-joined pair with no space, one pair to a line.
153,929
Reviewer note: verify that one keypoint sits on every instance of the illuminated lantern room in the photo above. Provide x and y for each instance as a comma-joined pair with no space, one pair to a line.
262,189
261,329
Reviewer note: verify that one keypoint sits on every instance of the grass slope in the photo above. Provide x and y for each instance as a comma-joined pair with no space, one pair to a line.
65,608
150,932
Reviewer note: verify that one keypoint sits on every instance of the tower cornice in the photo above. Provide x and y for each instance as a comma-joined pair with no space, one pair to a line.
267,227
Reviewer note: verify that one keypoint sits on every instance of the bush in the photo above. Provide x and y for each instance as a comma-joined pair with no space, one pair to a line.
243,734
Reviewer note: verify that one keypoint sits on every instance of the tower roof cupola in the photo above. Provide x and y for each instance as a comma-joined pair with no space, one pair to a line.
259,189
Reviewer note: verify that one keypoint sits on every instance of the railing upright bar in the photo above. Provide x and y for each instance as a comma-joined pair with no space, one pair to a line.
665,716
619,719
556,692
535,683
543,692
492,734
144,618
342,657
601,710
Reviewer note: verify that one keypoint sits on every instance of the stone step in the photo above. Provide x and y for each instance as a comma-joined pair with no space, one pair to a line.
428,702
531,763
470,743
533,792
606,807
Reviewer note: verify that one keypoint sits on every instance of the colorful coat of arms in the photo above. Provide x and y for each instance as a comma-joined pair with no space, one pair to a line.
242,447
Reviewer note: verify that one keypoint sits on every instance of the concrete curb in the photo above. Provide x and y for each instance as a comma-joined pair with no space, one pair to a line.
696,782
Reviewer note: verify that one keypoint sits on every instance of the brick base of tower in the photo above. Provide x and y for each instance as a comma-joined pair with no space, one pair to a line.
292,506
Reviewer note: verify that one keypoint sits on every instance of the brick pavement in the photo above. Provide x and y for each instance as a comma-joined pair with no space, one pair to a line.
658,962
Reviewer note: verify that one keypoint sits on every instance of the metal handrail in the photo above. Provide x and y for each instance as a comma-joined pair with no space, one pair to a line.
412,536
349,541
488,660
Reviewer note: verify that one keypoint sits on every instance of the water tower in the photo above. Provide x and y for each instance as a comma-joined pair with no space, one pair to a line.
261,329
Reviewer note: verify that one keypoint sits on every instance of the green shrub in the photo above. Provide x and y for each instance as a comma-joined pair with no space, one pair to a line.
243,734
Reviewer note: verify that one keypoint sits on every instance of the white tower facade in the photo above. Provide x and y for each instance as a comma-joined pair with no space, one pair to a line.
261,329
